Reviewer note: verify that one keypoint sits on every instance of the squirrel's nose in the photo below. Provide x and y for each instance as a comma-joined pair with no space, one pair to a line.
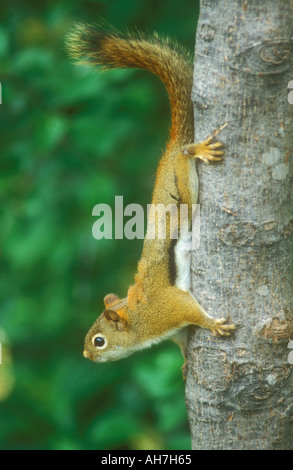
86,354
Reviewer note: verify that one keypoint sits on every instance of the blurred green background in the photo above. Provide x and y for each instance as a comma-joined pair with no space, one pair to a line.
70,139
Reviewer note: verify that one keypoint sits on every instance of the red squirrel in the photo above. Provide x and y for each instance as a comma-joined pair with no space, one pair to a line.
159,304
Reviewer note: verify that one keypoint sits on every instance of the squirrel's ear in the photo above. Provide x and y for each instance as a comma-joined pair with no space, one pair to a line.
110,299
115,319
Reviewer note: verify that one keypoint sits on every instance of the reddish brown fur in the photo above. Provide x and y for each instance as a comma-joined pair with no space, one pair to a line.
154,308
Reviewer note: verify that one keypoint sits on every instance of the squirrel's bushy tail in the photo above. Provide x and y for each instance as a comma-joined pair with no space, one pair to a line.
99,46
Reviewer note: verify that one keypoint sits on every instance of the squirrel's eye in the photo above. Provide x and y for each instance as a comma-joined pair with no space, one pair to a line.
99,341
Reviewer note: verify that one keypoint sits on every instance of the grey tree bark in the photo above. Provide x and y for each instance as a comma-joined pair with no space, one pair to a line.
239,390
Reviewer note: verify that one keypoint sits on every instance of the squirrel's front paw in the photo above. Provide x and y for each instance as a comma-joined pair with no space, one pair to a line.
220,329
207,151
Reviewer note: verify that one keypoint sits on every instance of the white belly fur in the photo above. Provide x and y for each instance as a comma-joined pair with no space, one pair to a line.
182,251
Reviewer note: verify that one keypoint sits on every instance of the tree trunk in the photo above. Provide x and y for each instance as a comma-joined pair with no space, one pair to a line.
239,390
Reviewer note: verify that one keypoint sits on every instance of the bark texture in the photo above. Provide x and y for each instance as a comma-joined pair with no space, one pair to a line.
239,390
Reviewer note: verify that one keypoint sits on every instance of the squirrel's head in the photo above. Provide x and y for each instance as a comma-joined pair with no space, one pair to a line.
109,338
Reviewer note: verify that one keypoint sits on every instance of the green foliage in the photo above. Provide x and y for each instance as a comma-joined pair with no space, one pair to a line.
70,139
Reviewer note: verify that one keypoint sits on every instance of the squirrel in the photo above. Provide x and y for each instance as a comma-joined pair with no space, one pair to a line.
159,305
